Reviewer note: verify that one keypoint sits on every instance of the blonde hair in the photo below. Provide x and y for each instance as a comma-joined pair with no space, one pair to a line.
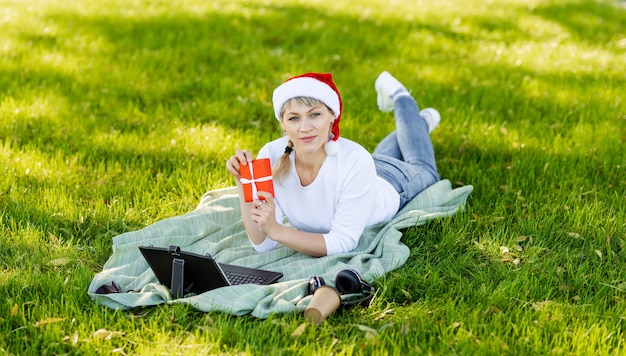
282,166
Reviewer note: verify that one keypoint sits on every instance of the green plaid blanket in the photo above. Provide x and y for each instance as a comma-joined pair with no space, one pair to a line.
215,227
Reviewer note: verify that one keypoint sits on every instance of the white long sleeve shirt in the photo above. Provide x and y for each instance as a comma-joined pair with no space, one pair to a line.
345,197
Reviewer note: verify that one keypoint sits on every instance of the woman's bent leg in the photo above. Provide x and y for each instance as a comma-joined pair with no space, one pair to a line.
389,147
412,135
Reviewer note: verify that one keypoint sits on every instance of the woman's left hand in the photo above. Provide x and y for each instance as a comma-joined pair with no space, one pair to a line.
263,212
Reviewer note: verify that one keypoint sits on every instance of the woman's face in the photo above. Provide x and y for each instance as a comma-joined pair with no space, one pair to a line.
308,127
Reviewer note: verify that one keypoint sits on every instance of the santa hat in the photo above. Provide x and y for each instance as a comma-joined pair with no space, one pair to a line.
319,86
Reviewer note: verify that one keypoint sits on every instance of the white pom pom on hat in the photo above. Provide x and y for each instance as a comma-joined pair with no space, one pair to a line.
319,86
331,148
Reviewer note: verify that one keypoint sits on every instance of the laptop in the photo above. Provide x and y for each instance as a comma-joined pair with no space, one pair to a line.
187,272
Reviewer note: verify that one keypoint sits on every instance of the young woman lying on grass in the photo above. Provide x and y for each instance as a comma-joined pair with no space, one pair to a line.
327,187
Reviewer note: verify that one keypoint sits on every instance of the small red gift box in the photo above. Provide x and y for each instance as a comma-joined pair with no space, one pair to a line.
256,176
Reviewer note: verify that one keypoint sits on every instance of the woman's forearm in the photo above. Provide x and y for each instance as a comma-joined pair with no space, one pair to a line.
309,243
254,232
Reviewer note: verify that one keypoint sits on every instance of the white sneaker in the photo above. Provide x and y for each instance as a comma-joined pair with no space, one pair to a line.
386,87
432,118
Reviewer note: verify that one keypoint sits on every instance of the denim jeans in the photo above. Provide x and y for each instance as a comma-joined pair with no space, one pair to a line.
406,158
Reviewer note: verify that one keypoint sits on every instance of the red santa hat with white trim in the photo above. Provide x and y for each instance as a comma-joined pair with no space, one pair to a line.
319,86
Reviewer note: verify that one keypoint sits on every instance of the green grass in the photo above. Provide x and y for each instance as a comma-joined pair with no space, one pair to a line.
117,114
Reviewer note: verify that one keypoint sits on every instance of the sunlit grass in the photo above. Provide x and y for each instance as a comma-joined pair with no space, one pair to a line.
117,114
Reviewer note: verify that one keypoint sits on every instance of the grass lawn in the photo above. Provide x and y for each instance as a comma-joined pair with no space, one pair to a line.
117,114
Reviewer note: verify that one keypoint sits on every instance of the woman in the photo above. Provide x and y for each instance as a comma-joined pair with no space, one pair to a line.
329,188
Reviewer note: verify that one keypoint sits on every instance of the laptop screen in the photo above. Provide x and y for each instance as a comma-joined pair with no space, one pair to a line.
187,272
200,273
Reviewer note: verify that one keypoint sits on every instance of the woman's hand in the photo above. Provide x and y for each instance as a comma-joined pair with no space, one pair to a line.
263,213
234,163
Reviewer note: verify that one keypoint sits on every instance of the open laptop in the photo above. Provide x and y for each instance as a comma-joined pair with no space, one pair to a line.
187,272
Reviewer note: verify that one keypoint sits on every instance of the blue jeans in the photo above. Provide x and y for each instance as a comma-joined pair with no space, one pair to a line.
406,158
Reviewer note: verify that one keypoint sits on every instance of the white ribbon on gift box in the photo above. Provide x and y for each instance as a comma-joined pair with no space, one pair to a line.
252,181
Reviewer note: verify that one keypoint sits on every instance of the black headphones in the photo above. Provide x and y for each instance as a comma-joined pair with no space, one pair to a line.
347,281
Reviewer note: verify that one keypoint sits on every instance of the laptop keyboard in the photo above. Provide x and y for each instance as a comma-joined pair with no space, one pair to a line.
237,278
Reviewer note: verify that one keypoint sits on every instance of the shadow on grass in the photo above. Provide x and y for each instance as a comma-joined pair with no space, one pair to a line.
592,23
214,67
